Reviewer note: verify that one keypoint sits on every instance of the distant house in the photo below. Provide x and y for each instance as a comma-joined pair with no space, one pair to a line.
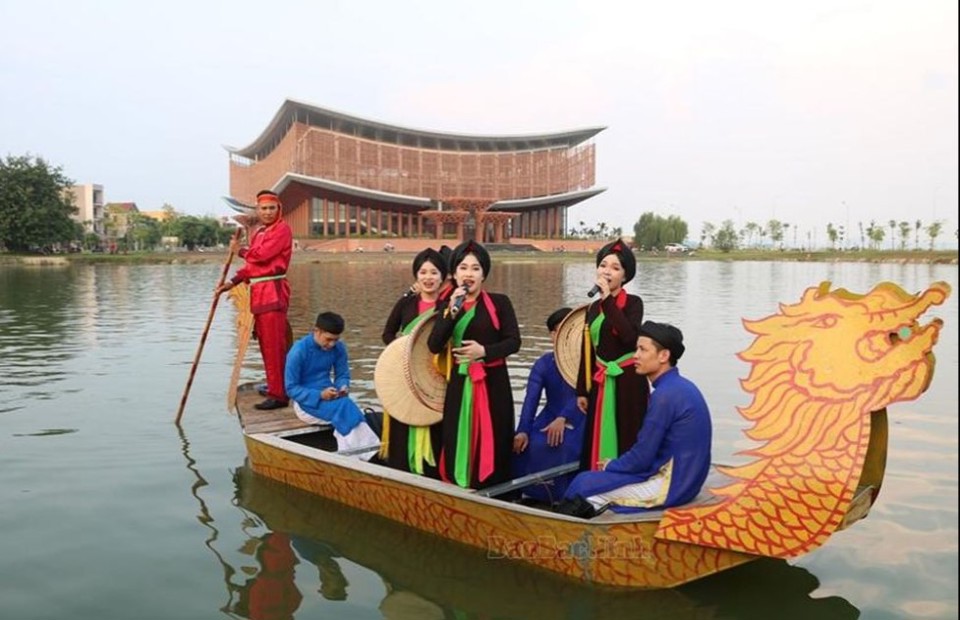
118,216
88,199
160,216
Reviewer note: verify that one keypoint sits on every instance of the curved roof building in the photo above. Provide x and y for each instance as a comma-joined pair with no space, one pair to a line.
339,175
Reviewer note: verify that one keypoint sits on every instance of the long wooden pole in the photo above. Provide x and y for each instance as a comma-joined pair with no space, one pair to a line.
206,328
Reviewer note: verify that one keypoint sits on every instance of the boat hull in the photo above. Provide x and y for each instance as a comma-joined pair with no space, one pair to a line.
614,552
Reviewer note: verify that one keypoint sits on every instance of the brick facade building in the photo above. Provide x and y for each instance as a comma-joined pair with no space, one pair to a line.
343,176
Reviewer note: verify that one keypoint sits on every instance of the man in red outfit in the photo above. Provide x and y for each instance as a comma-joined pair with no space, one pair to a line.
267,260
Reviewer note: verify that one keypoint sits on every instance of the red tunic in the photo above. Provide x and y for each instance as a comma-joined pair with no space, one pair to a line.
267,260
268,255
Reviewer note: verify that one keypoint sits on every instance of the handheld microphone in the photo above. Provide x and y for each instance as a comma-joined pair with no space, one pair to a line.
458,302
594,290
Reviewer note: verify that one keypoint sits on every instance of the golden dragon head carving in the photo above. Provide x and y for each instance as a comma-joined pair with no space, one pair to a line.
818,369
838,346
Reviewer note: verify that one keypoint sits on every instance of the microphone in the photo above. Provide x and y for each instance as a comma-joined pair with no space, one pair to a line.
458,302
593,291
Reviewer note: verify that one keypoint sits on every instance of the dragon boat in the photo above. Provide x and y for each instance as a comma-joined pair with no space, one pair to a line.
823,371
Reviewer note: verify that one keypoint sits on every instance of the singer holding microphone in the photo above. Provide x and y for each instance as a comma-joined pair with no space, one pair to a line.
613,397
402,446
478,330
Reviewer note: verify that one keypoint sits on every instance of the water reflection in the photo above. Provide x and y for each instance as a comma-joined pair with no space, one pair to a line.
424,574
37,327
205,517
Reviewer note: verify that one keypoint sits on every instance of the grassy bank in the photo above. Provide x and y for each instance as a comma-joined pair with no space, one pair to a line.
305,257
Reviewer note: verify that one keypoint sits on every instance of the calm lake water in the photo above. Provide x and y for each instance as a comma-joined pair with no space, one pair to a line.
107,510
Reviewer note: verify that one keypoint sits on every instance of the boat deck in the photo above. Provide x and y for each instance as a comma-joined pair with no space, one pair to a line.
255,421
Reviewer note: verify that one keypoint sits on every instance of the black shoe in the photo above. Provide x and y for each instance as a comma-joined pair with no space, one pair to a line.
262,391
577,507
270,403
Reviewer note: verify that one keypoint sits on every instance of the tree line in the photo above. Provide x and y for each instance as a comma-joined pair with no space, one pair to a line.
37,211
653,231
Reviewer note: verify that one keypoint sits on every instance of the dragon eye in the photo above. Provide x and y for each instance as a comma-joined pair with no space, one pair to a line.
826,322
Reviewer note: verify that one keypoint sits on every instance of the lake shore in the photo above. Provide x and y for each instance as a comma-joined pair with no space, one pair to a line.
945,257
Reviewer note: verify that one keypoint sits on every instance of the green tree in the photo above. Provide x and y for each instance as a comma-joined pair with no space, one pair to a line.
143,232
916,234
91,240
876,234
762,233
654,231
776,232
706,231
893,232
224,234
194,231
726,239
833,234
933,231
35,209
750,229
904,234
601,231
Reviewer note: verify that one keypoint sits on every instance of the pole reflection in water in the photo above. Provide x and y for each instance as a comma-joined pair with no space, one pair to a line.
270,592
426,576
204,517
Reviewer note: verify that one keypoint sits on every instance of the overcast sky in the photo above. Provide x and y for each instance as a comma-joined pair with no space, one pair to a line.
812,112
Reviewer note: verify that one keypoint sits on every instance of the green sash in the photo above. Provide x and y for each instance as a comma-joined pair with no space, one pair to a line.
419,449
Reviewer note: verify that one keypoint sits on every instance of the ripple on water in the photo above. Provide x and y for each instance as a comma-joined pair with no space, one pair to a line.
47,432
